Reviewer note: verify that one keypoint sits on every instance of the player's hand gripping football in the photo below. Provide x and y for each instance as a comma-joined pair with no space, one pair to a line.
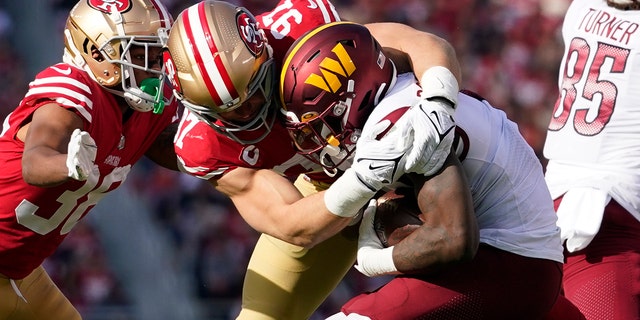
430,123
373,258
81,155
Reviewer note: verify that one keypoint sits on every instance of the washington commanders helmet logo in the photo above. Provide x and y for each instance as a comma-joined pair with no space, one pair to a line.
108,6
250,34
331,69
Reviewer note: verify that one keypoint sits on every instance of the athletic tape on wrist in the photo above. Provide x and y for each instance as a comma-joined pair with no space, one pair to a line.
377,262
439,82
347,195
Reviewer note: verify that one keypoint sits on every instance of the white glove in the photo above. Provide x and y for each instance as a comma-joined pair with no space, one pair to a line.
432,137
431,122
373,258
378,162
81,155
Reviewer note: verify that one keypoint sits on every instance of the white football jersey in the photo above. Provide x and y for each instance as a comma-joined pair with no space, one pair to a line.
511,200
593,139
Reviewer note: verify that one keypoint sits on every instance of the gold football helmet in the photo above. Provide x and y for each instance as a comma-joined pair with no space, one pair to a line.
113,27
219,62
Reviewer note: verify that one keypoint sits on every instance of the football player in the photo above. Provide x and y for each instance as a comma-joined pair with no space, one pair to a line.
593,144
223,63
74,137
490,228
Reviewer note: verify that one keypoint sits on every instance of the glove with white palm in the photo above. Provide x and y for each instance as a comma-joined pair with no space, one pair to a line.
81,155
373,258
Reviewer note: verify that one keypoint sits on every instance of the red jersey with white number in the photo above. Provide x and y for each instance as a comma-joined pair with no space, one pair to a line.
206,154
34,220
291,19
593,139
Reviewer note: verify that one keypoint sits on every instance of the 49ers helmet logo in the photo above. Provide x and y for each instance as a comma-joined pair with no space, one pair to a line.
170,69
250,34
108,5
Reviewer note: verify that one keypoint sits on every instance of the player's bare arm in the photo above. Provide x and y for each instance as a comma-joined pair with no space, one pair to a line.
162,151
271,204
417,45
450,232
46,140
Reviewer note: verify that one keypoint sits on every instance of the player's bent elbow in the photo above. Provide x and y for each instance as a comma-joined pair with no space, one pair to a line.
465,246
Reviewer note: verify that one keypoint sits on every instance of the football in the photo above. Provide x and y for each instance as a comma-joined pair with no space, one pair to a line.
397,216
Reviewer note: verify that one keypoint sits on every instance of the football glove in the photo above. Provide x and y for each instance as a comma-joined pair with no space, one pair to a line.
378,162
373,258
81,155
431,123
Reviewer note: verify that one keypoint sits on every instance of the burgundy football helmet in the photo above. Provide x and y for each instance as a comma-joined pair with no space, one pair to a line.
331,79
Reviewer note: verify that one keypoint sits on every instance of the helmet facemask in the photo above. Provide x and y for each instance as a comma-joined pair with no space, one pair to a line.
145,95
325,138
263,83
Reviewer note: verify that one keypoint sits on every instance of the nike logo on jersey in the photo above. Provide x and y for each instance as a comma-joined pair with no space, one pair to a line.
312,5
65,72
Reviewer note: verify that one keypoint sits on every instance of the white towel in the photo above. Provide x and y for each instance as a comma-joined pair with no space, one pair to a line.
580,215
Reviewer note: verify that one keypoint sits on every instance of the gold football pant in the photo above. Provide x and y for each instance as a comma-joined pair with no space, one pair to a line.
287,282
35,297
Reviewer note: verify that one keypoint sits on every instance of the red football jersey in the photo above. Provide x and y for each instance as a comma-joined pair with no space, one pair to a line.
34,220
208,154
291,19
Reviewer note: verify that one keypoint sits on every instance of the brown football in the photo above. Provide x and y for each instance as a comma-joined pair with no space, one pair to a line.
397,216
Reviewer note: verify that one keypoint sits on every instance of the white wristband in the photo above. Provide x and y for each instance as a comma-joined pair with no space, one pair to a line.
439,82
376,262
347,195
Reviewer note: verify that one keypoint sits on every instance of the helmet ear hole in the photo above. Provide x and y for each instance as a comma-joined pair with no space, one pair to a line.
96,55
88,47
348,42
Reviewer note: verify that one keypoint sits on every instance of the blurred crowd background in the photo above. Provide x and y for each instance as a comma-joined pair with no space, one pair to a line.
167,246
